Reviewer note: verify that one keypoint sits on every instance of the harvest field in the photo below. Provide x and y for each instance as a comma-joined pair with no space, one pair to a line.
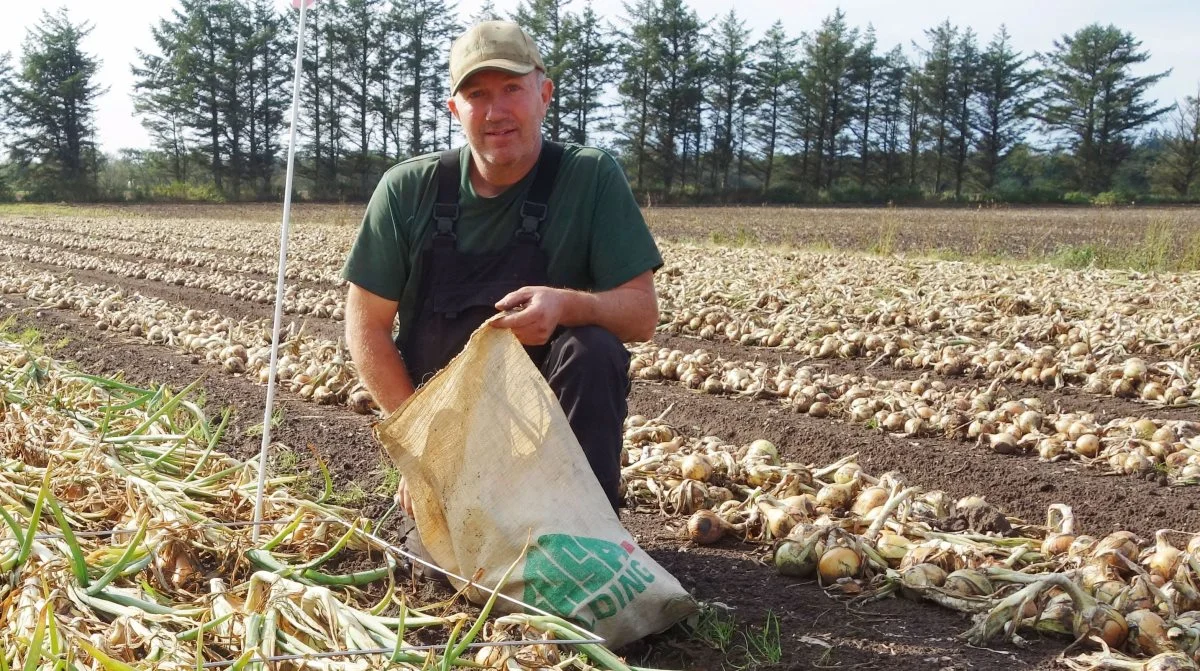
829,395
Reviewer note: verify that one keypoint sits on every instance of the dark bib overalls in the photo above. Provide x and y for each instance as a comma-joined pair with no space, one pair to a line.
587,367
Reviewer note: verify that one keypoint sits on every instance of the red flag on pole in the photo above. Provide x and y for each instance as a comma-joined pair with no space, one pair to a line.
307,3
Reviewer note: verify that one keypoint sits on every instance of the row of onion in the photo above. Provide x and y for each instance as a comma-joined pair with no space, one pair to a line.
926,406
866,538
125,540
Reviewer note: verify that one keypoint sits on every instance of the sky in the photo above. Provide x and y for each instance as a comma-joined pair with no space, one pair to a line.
1167,28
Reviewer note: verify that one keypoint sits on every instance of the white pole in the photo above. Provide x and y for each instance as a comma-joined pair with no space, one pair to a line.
283,245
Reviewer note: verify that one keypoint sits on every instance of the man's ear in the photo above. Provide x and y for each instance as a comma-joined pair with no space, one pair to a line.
547,91
453,105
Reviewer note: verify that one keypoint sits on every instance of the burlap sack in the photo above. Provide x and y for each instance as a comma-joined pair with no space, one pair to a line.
490,458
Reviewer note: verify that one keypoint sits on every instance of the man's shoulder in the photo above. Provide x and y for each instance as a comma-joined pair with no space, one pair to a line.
411,170
586,154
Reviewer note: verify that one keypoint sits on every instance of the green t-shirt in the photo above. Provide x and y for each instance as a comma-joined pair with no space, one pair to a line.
594,235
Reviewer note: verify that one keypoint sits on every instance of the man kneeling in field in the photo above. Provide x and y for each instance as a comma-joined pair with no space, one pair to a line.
548,233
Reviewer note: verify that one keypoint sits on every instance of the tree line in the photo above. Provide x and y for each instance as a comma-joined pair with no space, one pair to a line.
696,110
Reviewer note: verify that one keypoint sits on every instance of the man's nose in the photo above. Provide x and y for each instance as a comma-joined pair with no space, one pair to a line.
496,110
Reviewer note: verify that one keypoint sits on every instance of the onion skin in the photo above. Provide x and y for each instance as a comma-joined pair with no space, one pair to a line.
1165,558
1101,620
1148,633
1056,544
868,499
798,556
706,527
1169,661
838,562
969,582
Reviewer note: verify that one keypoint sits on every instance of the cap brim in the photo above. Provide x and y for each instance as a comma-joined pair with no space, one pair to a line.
502,64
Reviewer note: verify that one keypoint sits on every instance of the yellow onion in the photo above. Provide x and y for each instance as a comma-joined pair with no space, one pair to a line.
1056,544
921,576
892,546
1122,543
1087,445
779,519
1081,546
798,555
868,499
687,497
1003,443
1143,428
1108,591
696,467
706,527
847,473
1058,616
1193,546
837,563
763,450
969,582
1101,619
835,496
1165,558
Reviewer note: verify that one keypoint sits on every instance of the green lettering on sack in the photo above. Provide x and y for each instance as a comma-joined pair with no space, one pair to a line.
567,575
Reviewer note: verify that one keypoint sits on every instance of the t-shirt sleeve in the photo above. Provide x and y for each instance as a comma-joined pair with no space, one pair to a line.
378,261
621,245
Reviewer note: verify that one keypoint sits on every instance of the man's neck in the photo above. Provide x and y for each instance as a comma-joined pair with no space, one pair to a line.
490,181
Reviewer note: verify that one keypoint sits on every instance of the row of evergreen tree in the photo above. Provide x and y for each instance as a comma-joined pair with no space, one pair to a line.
695,109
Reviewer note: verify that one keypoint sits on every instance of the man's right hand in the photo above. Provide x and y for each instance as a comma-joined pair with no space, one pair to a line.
403,498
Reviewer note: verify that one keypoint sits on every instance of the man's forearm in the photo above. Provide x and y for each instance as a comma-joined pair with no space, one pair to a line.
630,314
381,368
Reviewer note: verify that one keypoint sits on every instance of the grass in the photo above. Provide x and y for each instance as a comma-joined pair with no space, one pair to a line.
1141,238
762,645
351,496
743,650
1157,251
715,628
276,420
389,482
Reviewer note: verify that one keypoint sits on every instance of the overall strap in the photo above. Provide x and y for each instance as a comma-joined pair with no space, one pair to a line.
445,208
534,209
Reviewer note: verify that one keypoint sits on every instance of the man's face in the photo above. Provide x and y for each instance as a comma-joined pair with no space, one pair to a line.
501,114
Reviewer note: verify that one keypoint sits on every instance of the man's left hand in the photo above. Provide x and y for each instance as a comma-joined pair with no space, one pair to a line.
538,311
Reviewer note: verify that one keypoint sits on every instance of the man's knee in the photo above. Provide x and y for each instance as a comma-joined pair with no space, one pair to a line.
590,349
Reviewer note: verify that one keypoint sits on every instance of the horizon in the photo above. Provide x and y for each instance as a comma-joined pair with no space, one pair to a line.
1165,32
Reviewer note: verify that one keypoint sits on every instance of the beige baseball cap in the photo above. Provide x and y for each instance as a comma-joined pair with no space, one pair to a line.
492,45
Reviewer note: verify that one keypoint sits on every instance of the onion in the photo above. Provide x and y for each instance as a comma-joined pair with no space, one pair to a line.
1087,445
838,562
1056,544
780,520
696,467
868,499
706,527
836,496
1143,428
1123,543
892,546
1030,421
847,473
798,557
969,582
924,575
763,450
1100,619
1003,443
1165,558
1058,616
1135,369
